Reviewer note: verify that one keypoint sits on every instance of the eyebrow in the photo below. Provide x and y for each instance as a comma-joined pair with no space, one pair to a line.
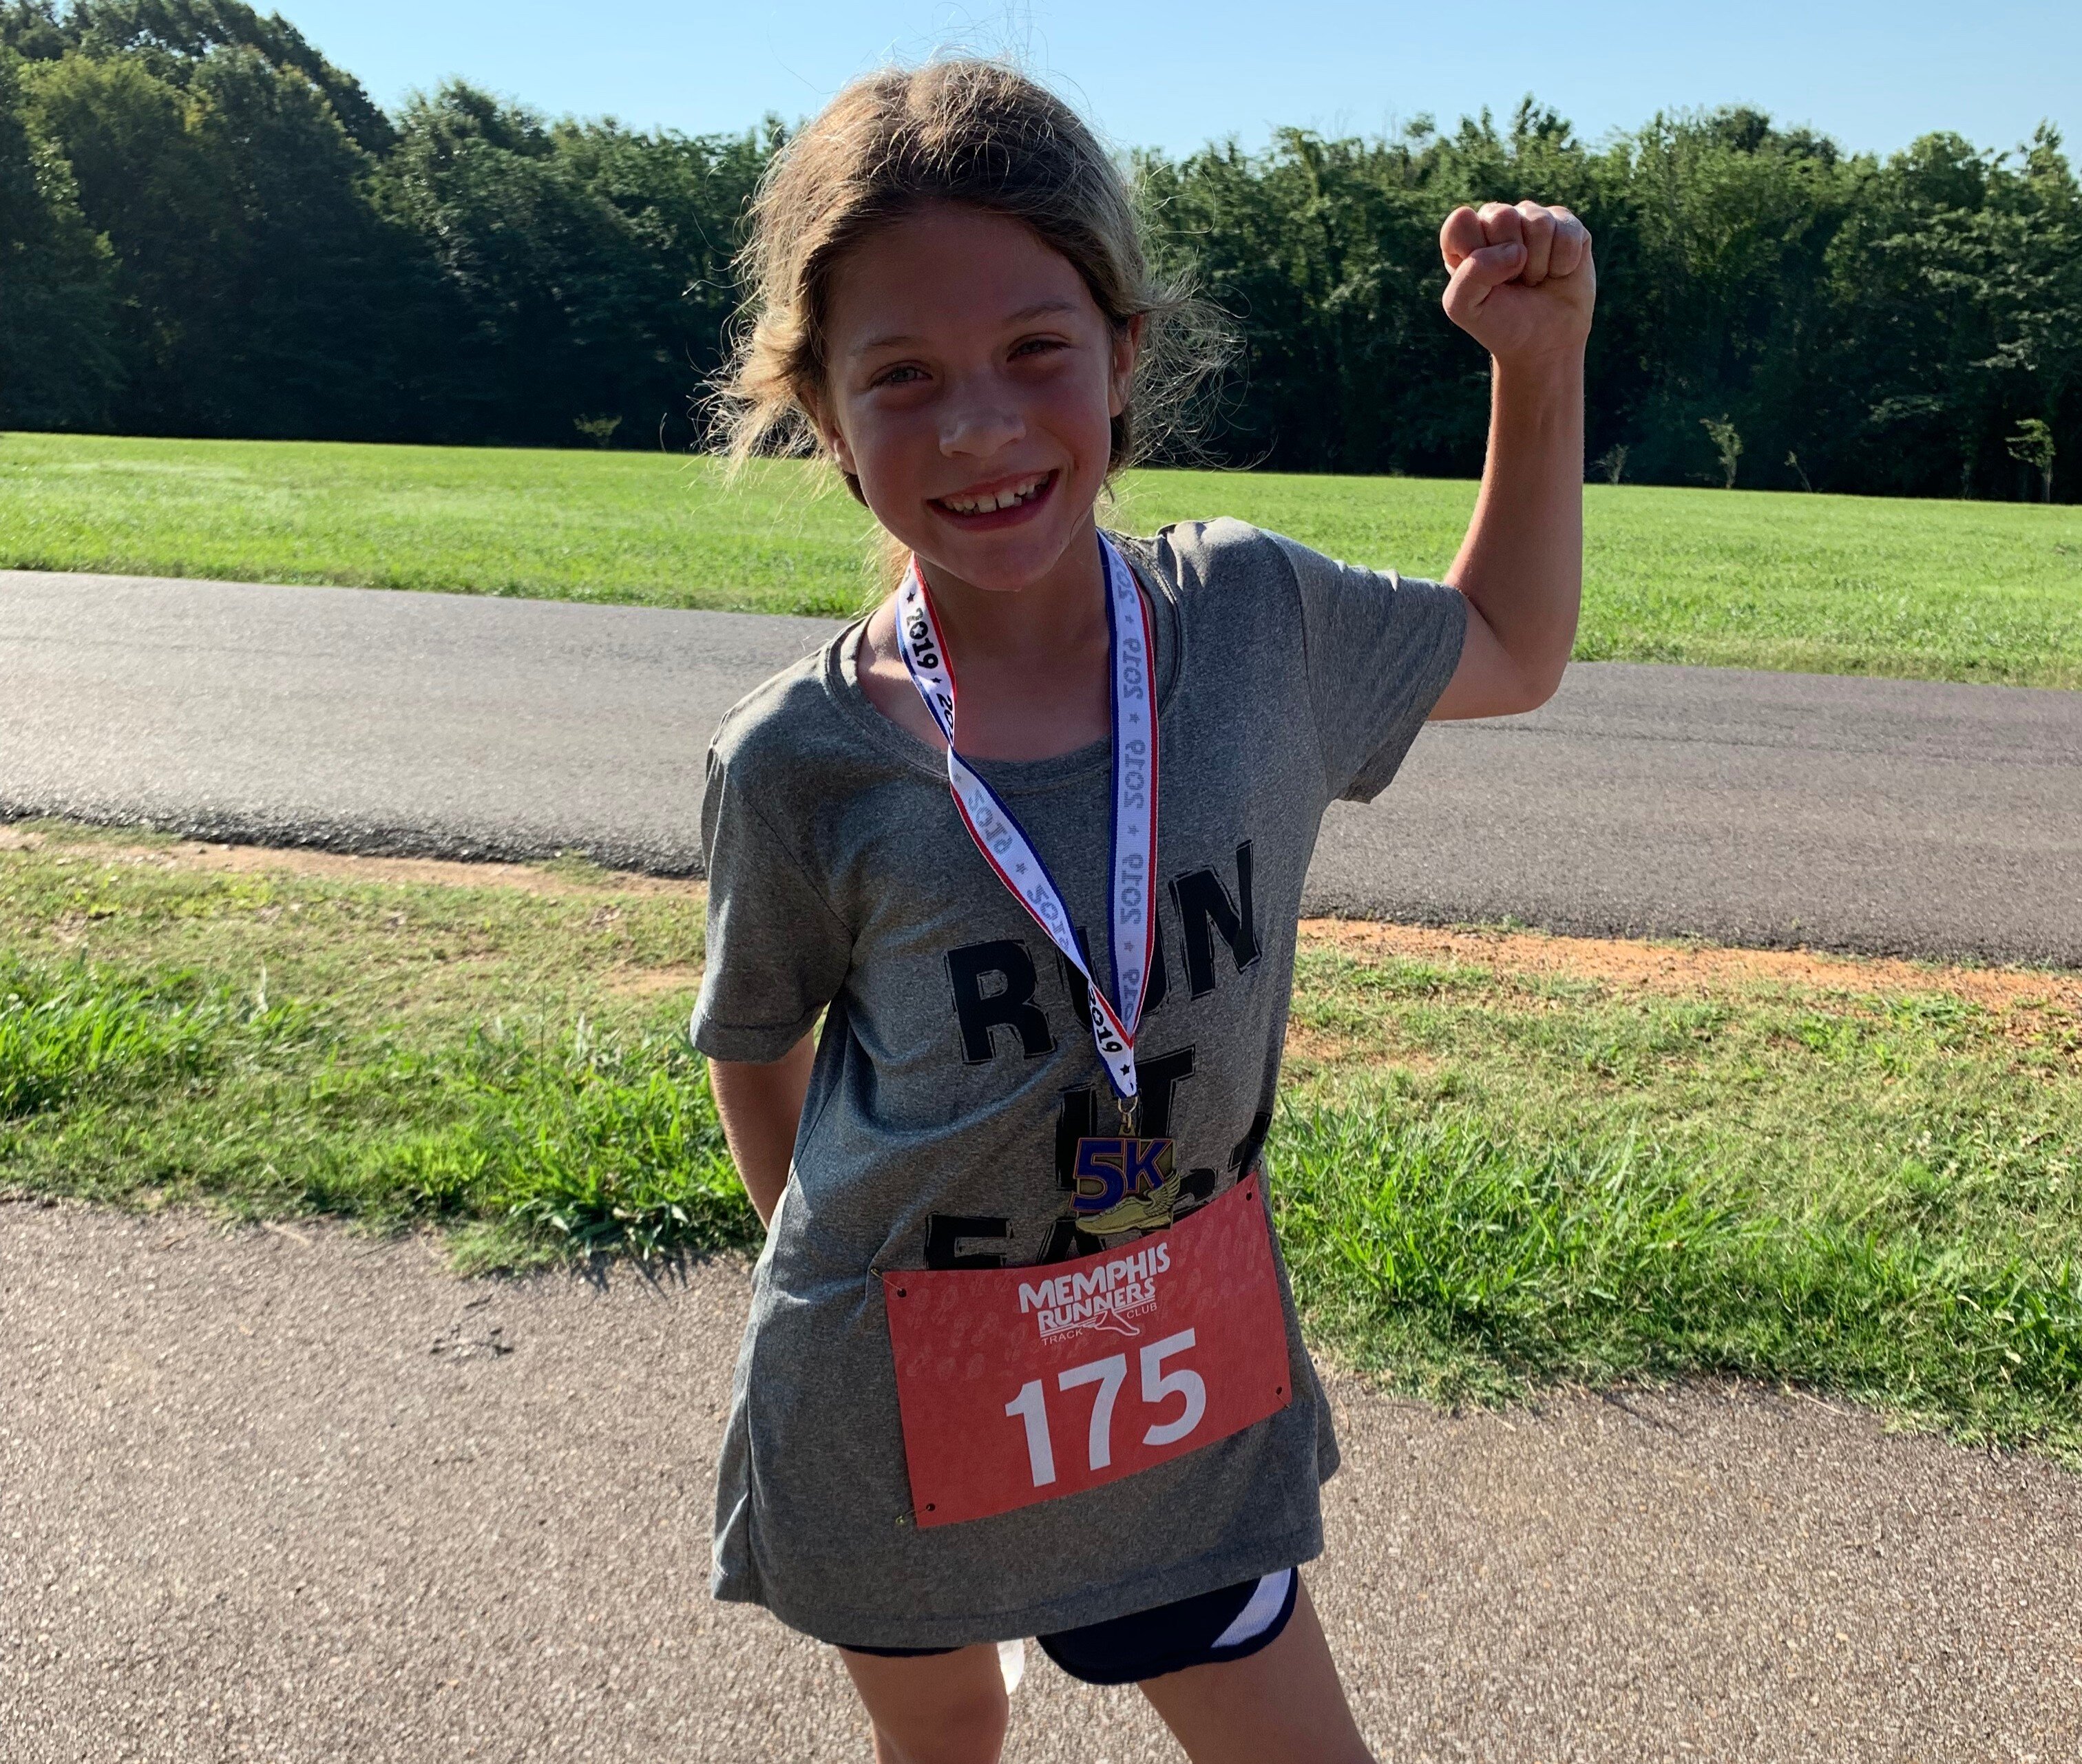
893,339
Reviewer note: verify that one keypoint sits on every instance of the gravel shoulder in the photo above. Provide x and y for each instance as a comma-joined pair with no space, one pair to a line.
293,1494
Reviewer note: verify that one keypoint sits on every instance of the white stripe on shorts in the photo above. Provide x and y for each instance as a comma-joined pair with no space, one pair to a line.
1257,1613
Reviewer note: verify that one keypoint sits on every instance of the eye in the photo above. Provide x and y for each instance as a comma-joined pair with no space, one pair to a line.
1033,346
903,374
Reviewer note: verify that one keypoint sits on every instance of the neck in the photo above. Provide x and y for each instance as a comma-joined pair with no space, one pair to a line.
1061,614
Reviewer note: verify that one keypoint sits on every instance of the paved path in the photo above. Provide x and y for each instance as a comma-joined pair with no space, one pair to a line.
296,1495
1895,817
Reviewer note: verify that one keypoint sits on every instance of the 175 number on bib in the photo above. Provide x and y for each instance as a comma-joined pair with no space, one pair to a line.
1019,1385
1109,1374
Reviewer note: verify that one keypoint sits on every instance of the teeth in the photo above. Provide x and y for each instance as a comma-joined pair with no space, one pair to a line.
1003,499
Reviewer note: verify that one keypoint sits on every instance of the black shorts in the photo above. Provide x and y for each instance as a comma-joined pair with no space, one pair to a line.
1231,1623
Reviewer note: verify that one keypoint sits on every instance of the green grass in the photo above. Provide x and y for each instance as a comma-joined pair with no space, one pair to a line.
1938,590
1971,591
511,1064
643,528
1489,1180
1870,1184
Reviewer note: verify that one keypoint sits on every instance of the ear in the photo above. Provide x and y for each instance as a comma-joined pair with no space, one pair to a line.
1127,351
833,438
828,429
835,442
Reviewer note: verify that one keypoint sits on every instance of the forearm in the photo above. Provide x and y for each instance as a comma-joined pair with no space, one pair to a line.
762,1106
1521,565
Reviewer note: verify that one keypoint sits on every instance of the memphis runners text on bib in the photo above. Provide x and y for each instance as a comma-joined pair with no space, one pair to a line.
1018,1385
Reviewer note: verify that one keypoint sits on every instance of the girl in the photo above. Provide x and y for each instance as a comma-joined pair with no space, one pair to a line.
1021,1359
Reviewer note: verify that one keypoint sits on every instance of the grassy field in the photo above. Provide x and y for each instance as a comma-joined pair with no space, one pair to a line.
1504,1162
1938,590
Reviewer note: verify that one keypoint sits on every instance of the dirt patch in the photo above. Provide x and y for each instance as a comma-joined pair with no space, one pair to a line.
438,872
1305,1041
1690,967
648,982
1669,967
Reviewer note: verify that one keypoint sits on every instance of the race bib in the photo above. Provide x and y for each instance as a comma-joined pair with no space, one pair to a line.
1018,1385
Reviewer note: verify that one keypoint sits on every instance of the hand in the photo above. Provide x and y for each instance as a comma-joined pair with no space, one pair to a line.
1523,283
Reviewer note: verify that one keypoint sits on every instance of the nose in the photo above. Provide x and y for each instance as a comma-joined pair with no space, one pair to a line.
978,422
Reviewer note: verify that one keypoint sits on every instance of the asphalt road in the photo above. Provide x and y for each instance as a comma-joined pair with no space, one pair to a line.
288,1495
1886,816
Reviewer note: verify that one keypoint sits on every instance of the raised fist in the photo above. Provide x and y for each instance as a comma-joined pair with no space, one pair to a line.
1523,283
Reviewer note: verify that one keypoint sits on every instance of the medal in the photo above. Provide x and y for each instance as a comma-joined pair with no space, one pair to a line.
1124,1182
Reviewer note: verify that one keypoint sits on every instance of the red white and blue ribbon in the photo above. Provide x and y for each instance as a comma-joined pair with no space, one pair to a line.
1003,841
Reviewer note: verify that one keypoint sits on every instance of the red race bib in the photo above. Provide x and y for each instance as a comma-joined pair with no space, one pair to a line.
1019,1384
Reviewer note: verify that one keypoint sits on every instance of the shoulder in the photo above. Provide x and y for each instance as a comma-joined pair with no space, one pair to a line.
1216,554
785,728
1257,584
1222,573
1226,559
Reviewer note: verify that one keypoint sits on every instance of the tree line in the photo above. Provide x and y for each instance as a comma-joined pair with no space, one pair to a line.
206,228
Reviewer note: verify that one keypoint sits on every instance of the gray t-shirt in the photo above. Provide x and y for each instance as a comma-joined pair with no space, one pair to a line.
955,1072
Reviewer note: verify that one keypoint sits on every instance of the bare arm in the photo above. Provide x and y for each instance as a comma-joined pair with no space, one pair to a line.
1523,285
762,1106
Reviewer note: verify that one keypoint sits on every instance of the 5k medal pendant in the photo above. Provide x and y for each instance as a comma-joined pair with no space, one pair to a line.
1123,1182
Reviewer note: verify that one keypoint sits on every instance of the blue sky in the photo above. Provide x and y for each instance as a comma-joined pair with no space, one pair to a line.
1160,72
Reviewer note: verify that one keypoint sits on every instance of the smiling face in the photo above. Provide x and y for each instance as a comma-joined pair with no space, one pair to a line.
970,385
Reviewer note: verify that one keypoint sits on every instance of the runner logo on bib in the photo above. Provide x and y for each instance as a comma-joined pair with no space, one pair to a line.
983,1356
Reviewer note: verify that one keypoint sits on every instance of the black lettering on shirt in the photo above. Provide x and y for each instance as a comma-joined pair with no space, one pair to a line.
1157,1081
1245,1153
1205,908
1077,1119
1159,984
944,1232
1008,1005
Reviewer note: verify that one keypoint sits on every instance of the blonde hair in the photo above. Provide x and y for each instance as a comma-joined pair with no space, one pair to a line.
962,130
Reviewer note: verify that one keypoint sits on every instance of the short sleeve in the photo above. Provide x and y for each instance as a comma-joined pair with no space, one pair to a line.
776,951
1380,648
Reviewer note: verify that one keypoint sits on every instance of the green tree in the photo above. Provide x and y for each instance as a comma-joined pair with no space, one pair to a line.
207,227
58,365
591,263
147,184
1728,443
2032,445
1325,253
258,290
171,37
323,283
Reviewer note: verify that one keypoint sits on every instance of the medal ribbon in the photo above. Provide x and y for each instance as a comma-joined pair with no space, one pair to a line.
1003,841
